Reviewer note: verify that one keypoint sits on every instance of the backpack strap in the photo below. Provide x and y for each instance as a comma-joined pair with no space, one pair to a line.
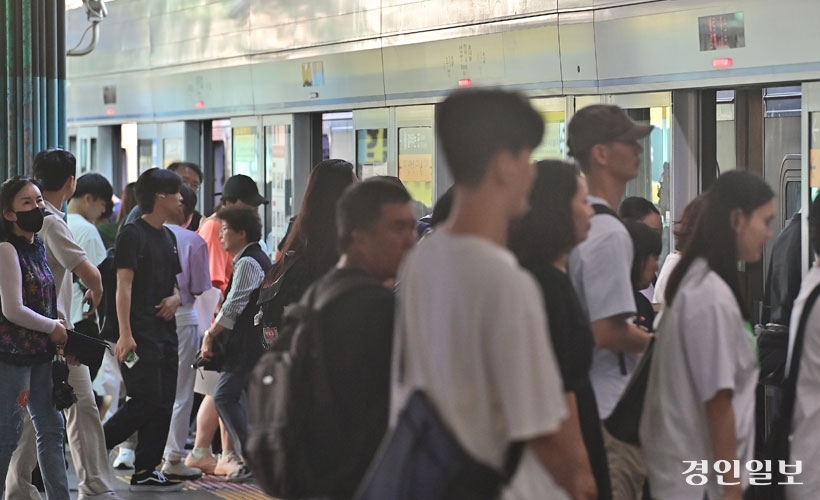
601,209
321,299
790,382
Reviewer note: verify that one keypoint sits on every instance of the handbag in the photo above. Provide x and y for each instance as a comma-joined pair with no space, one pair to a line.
217,361
89,350
625,420
422,460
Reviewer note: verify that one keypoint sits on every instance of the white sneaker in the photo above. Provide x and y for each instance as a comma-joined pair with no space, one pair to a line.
125,459
178,470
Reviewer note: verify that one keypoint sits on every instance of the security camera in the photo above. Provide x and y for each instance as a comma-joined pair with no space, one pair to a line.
95,9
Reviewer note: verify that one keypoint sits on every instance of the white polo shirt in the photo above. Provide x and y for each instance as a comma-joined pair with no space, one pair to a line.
806,420
600,269
476,341
702,347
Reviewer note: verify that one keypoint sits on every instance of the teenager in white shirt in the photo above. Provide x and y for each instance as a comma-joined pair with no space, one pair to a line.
700,400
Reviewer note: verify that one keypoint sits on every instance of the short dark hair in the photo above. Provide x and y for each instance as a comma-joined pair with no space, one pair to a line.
94,184
635,207
476,124
241,218
188,201
360,207
179,165
548,229
645,242
53,167
155,181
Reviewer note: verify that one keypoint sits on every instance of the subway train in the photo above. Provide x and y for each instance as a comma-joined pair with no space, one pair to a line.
269,88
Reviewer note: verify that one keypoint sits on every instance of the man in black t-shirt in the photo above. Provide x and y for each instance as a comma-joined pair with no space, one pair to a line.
147,297
376,228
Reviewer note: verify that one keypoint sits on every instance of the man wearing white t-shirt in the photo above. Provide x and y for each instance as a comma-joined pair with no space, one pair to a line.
604,142
805,442
472,321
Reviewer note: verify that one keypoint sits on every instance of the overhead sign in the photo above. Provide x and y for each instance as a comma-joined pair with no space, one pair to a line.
722,31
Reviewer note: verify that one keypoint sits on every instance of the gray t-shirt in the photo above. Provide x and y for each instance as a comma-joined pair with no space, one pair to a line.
599,269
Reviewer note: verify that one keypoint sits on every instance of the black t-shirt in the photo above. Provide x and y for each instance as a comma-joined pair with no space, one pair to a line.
644,310
358,339
573,344
152,254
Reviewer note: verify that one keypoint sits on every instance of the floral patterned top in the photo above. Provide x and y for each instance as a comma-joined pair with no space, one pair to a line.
19,345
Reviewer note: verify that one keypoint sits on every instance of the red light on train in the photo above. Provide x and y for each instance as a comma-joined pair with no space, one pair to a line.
200,104
465,82
110,111
722,62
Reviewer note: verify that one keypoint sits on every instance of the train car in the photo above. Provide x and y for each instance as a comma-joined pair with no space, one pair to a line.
269,88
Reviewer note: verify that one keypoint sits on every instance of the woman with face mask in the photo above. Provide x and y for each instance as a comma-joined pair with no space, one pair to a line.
29,332
698,423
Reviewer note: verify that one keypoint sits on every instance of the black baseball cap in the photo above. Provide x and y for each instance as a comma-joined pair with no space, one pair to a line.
243,188
600,124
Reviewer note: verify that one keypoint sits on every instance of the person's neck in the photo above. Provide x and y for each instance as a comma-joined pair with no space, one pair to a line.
561,262
75,208
359,262
603,185
476,213
56,198
23,234
154,219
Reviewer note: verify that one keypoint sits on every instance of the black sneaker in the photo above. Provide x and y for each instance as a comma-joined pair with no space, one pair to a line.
241,475
154,480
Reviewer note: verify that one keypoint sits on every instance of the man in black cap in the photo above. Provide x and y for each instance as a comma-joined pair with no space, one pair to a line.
604,142
238,190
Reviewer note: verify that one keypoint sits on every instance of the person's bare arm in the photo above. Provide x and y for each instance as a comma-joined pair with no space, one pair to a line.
616,334
565,456
720,418
126,343
90,276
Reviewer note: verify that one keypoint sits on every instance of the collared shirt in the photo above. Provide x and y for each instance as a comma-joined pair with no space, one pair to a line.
89,239
247,277
64,255
220,260
195,277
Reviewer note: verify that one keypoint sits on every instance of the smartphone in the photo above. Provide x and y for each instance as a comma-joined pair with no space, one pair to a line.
131,359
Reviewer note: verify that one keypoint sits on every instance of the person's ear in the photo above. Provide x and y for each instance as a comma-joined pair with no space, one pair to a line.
736,218
599,154
9,215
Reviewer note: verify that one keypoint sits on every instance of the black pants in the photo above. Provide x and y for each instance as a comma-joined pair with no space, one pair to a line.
151,385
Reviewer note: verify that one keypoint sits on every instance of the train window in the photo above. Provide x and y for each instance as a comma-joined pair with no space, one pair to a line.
783,101
792,200
416,164
279,177
371,152
552,144
171,151
146,154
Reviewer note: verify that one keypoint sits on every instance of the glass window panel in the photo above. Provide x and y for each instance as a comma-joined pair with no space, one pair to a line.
171,151
371,152
146,153
553,143
279,179
416,165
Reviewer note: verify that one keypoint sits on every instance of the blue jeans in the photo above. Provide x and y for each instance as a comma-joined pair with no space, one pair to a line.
34,382
231,404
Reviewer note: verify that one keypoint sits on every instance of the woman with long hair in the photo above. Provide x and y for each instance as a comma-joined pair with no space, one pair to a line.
698,417
310,248
29,332
558,220
684,228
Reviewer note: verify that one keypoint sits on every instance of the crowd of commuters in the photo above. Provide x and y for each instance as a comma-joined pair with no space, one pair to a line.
521,317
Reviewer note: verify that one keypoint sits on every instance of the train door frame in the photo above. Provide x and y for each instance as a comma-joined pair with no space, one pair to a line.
256,124
810,127
414,149
289,180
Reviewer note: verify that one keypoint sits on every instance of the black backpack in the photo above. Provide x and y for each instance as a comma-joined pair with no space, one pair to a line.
778,444
292,407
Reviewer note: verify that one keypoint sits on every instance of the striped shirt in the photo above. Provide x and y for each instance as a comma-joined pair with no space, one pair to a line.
247,277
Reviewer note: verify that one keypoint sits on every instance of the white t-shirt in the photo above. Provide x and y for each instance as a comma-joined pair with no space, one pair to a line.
63,255
805,443
702,347
89,239
476,341
663,277
599,269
